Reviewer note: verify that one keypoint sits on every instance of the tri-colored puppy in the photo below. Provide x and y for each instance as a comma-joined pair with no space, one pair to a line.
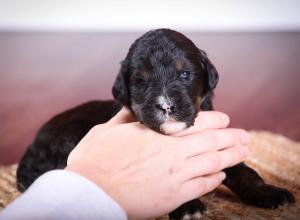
164,80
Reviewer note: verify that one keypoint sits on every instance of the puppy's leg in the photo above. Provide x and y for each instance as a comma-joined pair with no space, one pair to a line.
251,188
191,210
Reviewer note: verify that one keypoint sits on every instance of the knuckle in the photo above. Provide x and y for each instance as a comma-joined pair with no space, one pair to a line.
238,133
211,137
241,153
212,182
204,187
215,161
236,156
176,163
215,181
230,136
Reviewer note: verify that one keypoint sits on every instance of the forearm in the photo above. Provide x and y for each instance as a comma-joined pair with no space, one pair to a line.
61,194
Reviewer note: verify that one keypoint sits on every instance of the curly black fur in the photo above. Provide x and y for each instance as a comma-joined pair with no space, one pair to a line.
55,140
163,77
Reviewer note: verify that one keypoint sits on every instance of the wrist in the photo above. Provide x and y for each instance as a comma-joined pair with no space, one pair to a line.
94,175
86,172
98,178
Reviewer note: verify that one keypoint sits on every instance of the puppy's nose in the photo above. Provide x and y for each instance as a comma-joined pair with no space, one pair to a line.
166,108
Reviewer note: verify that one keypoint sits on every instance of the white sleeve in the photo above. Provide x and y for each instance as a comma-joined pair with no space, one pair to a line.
61,194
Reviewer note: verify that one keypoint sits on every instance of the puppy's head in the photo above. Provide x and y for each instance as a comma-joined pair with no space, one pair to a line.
165,80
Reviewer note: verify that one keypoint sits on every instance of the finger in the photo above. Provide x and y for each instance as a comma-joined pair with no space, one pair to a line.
206,120
194,188
209,140
213,162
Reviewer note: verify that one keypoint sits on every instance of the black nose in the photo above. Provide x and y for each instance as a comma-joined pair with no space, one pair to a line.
166,108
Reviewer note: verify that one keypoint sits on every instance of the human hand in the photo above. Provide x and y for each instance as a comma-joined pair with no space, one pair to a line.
150,174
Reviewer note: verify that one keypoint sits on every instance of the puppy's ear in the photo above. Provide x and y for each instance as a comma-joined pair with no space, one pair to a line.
120,87
212,78
209,68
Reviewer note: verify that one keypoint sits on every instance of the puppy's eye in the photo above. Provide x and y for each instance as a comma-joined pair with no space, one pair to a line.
185,75
138,84
139,81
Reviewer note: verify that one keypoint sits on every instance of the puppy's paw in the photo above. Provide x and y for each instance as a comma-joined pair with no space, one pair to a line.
268,196
192,210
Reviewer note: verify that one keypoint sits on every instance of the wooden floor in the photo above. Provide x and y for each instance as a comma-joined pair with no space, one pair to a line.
42,74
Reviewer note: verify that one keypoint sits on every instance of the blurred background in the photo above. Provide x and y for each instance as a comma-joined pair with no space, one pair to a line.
57,54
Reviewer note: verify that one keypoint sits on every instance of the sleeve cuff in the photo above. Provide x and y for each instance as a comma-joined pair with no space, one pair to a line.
62,194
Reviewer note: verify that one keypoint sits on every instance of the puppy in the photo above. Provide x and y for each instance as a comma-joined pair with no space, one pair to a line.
164,80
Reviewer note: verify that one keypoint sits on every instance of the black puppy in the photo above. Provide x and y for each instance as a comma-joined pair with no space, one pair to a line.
164,80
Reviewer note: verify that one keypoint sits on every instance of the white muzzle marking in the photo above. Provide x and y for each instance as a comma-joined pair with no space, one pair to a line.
172,127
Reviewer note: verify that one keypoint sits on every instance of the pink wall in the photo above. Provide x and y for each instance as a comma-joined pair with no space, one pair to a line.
42,74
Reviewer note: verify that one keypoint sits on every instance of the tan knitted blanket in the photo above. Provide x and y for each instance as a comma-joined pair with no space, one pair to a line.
276,158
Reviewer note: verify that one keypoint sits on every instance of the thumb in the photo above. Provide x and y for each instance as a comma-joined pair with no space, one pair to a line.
122,117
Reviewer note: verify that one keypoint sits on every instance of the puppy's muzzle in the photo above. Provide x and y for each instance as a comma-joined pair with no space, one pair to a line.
167,109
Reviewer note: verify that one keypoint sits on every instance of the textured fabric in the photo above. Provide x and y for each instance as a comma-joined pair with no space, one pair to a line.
61,194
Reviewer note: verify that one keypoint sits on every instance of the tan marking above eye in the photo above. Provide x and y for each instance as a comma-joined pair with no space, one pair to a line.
142,73
179,64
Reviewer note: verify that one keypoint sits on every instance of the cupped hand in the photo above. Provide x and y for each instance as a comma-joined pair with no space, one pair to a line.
150,174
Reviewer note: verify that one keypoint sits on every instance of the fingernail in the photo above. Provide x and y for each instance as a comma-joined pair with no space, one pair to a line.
245,138
222,176
244,151
225,119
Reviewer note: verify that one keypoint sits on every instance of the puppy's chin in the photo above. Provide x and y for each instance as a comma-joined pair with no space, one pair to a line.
172,127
